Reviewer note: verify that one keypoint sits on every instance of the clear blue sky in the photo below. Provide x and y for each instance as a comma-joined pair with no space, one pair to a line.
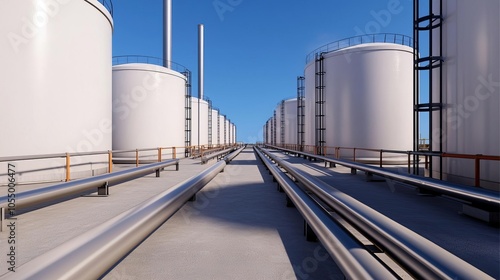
254,49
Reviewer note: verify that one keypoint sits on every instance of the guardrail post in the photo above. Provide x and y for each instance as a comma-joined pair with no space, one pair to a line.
110,161
103,190
380,158
159,154
309,233
409,159
2,219
477,169
354,155
174,152
136,157
68,166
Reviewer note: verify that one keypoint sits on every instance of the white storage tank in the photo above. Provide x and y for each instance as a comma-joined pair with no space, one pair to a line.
272,136
148,108
227,131
222,124
235,140
279,123
215,127
234,133
471,89
367,98
56,86
203,127
267,132
290,128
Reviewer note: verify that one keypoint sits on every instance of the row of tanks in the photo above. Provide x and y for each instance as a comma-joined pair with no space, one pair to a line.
359,93
61,93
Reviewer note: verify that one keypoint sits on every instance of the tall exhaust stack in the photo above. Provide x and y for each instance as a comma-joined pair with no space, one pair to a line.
200,61
167,32
200,74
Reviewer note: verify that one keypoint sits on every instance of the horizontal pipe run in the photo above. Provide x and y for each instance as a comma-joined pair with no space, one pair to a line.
351,257
231,156
481,198
424,258
93,253
206,158
55,192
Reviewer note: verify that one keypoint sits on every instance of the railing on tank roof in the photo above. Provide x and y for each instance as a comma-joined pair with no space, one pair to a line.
124,59
361,39
108,4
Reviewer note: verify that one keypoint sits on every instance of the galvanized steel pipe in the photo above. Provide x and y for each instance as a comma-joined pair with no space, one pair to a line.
479,197
351,257
231,156
58,191
91,254
206,158
424,258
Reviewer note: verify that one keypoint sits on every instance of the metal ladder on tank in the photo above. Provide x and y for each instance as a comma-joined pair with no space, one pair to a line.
431,65
320,104
209,123
187,123
218,128
282,122
300,112
274,129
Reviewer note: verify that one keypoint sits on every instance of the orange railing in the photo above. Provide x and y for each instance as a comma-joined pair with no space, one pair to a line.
336,153
161,151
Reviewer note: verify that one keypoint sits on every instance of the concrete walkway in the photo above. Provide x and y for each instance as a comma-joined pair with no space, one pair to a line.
239,228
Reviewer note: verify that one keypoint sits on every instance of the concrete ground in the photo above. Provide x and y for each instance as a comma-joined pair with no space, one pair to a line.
239,228
434,217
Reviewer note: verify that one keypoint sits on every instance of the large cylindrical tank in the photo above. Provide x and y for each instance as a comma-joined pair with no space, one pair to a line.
203,119
215,127
367,98
56,86
267,132
279,122
234,133
471,89
148,108
290,128
227,132
222,123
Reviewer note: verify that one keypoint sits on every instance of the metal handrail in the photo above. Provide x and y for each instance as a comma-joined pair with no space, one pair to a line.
361,39
125,59
351,257
477,157
110,154
423,258
231,156
481,198
93,253
56,192
206,158
108,4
